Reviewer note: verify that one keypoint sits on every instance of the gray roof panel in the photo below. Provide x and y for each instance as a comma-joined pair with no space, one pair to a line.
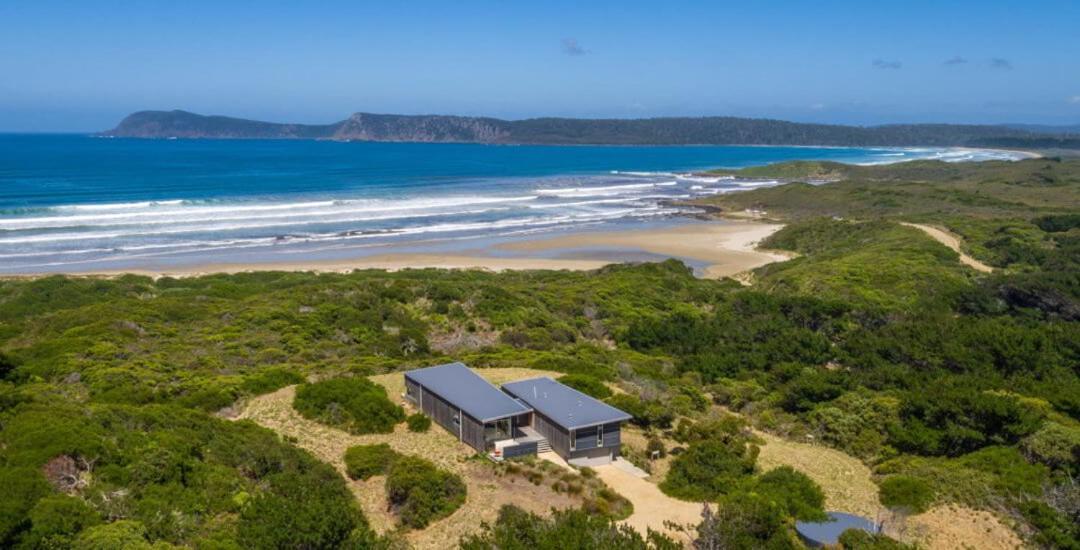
564,405
468,391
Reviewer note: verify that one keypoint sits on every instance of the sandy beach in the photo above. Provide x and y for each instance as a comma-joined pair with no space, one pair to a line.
721,248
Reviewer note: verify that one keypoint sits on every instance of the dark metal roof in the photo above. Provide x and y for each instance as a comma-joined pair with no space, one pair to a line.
467,391
564,405
827,533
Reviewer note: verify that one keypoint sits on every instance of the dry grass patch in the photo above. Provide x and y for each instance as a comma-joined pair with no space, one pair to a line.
950,526
846,482
636,439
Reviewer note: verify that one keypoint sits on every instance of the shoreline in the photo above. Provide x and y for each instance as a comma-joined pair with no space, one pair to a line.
722,248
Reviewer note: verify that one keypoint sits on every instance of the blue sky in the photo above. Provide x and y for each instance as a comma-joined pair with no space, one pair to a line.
78,66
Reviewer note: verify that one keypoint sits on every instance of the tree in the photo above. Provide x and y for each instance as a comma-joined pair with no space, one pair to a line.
796,494
516,529
743,521
709,469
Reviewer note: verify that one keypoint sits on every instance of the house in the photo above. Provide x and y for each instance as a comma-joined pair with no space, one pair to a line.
526,417
581,429
470,408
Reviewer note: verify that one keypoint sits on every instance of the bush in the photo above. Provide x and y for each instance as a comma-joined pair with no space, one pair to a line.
586,384
421,493
126,534
56,519
857,539
418,422
517,529
744,520
1056,445
655,445
364,461
906,493
709,469
794,492
277,519
1055,530
357,405
270,379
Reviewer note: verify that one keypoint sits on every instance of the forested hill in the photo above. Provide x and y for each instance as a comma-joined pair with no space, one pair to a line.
650,131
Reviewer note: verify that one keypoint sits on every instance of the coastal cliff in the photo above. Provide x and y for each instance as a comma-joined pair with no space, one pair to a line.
569,131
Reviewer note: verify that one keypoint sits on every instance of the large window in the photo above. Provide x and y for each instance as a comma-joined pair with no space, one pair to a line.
599,436
573,439
498,430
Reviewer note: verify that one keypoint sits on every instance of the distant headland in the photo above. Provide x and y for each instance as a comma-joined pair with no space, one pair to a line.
717,130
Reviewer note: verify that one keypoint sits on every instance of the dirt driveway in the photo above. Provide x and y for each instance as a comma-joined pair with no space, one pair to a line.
651,506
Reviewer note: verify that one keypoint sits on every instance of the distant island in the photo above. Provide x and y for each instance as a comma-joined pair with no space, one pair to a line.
571,131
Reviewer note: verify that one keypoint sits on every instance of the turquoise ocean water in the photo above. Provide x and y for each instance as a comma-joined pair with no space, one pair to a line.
79,203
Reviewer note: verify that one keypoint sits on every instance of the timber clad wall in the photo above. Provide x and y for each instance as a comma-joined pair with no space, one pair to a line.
472,432
442,412
556,436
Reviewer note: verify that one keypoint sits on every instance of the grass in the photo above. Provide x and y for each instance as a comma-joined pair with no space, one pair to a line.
847,483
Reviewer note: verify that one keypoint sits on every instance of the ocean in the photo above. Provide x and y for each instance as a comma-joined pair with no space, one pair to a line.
71,203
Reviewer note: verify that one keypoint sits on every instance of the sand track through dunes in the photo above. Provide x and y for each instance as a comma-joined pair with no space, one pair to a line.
952,241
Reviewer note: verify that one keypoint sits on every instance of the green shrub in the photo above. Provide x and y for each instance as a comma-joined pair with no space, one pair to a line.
418,422
187,476
1054,529
655,445
364,461
709,469
126,534
586,384
857,539
56,519
270,379
357,405
744,520
1056,445
421,493
906,493
517,529
794,492
22,487
277,519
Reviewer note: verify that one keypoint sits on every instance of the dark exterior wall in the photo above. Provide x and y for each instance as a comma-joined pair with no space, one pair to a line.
519,421
412,391
472,432
520,450
586,437
556,436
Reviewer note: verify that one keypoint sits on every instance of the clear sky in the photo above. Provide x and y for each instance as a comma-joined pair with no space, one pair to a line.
82,65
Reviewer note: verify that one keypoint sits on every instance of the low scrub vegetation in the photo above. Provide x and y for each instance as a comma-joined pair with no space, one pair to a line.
420,493
907,494
174,475
365,461
418,422
356,405
596,497
518,529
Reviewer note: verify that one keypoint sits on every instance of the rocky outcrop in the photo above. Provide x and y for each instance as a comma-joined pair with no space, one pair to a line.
425,128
